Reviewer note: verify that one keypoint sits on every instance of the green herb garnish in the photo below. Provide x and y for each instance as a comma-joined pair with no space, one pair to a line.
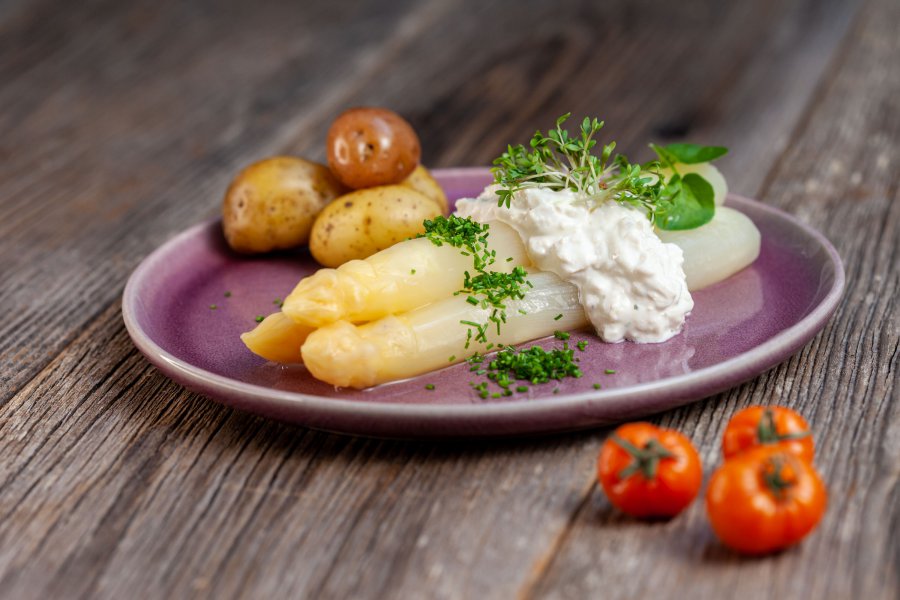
610,371
259,318
465,234
429,386
560,161
227,294
534,365
489,290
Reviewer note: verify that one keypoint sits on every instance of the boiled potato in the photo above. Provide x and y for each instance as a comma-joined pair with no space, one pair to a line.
359,224
272,204
422,181
718,249
372,146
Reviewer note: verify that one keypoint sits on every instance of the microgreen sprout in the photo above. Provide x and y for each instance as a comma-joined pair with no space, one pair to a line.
562,161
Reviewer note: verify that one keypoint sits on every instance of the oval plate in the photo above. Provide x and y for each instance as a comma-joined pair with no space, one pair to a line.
738,329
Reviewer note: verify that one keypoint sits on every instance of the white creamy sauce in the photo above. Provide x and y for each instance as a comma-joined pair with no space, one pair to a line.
631,284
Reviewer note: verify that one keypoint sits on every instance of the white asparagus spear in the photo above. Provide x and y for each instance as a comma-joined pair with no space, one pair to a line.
400,278
277,338
712,253
432,336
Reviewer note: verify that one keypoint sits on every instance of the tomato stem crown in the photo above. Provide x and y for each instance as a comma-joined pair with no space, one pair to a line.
767,433
644,460
776,479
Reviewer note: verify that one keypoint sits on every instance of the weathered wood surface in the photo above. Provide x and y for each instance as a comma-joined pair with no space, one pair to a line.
121,123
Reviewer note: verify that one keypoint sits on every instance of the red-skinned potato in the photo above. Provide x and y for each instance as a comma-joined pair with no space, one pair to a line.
272,204
372,146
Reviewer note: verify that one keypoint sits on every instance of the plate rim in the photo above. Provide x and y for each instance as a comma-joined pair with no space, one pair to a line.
701,383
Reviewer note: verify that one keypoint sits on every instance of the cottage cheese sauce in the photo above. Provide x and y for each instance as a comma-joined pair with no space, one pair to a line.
631,284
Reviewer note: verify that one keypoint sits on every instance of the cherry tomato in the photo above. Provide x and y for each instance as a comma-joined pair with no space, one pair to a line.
372,146
647,471
764,500
768,425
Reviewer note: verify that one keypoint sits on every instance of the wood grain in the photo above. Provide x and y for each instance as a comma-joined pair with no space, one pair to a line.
120,123
841,174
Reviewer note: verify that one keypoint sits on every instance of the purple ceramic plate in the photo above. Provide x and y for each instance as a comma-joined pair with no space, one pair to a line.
738,329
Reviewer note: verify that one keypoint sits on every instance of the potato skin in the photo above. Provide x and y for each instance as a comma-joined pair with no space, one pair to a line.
371,146
422,181
359,224
272,204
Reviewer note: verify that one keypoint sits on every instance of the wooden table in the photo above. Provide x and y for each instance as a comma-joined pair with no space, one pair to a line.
121,124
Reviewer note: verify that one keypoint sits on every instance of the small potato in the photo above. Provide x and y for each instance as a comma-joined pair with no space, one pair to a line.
371,146
422,181
359,224
271,205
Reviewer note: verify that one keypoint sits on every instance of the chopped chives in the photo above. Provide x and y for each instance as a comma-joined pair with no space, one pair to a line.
610,371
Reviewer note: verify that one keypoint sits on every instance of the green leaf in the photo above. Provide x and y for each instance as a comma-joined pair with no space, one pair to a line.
690,154
665,157
690,203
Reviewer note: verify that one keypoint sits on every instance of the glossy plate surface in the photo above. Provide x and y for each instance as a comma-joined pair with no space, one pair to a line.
738,329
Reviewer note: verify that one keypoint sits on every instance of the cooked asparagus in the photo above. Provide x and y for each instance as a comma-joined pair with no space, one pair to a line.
400,278
437,335
277,338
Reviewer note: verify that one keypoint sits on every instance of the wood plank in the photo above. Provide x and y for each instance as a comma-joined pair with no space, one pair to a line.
842,175
103,184
118,480
118,127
